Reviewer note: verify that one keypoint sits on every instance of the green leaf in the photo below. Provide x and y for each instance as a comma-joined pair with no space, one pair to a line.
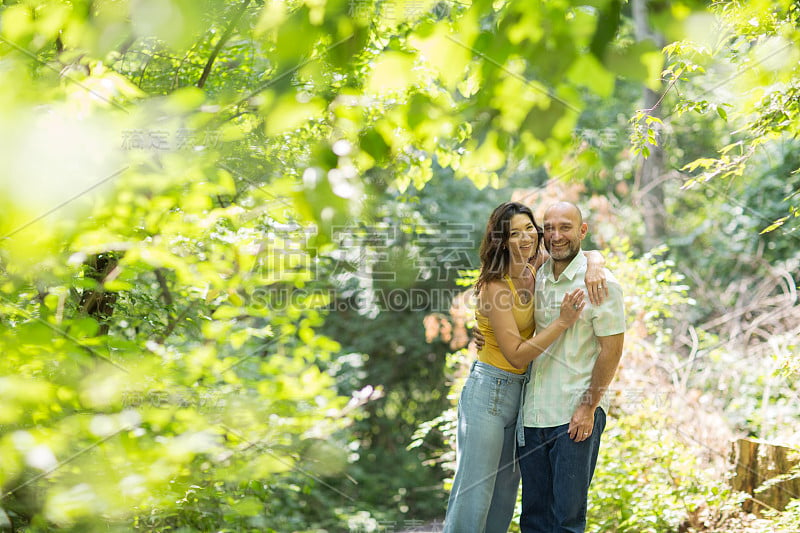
176,22
227,311
588,72
488,157
775,225
83,327
448,54
291,112
248,506
185,99
703,162
17,22
391,73
641,61
373,143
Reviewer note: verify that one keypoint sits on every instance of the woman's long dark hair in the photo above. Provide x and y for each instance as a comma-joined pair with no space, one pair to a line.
494,253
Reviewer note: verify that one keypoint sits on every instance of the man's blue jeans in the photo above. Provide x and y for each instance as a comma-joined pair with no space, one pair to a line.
556,472
485,487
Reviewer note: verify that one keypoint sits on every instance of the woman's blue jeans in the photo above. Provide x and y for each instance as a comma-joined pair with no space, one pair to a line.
485,487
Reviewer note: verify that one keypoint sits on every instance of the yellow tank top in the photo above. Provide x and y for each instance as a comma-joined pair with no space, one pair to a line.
523,316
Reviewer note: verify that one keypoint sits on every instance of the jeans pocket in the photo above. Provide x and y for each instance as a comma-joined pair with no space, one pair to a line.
490,395
496,396
480,396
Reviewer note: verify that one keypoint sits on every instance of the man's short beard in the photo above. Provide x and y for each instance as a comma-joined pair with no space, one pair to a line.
572,254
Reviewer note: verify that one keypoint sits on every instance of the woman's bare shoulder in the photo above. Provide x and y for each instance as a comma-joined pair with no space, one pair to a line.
494,292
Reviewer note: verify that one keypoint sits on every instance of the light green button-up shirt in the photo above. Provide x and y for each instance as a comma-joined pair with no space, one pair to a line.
562,373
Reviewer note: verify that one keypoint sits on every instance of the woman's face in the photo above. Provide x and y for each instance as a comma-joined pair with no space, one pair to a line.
523,238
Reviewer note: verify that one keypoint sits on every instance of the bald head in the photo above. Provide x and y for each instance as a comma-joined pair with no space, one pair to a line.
566,208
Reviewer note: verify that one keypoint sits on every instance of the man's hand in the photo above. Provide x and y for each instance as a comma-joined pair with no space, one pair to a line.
582,423
478,337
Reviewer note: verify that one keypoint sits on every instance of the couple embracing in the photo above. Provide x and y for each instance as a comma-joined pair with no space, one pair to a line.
533,405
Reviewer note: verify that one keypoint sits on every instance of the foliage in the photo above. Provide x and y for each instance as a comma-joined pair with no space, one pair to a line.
652,285
762,57
180,177
788,520
647,479
159,329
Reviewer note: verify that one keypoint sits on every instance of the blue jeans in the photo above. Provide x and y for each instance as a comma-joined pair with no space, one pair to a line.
485,487
556,472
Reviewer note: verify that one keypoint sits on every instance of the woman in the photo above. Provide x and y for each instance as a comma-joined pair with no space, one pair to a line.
485,487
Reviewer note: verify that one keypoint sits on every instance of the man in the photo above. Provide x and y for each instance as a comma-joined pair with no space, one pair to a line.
564,409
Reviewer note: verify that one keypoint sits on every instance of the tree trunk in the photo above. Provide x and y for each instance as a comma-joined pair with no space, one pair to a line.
756,462
650,175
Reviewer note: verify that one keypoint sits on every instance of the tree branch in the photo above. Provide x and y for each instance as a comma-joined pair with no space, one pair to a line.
162,282
227,35
173,323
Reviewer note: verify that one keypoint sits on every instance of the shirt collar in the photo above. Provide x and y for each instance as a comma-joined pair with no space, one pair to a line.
576,265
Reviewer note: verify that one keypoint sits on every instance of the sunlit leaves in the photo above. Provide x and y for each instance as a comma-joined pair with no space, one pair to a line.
39,23
641,61
391,74
587,71
759,95
17,22
291,112
176,22
487,157
446,52
644,132
555,122
327,198
685,57
373,144
775,225
243,145
515,97
21,396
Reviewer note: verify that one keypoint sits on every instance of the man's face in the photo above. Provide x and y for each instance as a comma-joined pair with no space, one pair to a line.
563,232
